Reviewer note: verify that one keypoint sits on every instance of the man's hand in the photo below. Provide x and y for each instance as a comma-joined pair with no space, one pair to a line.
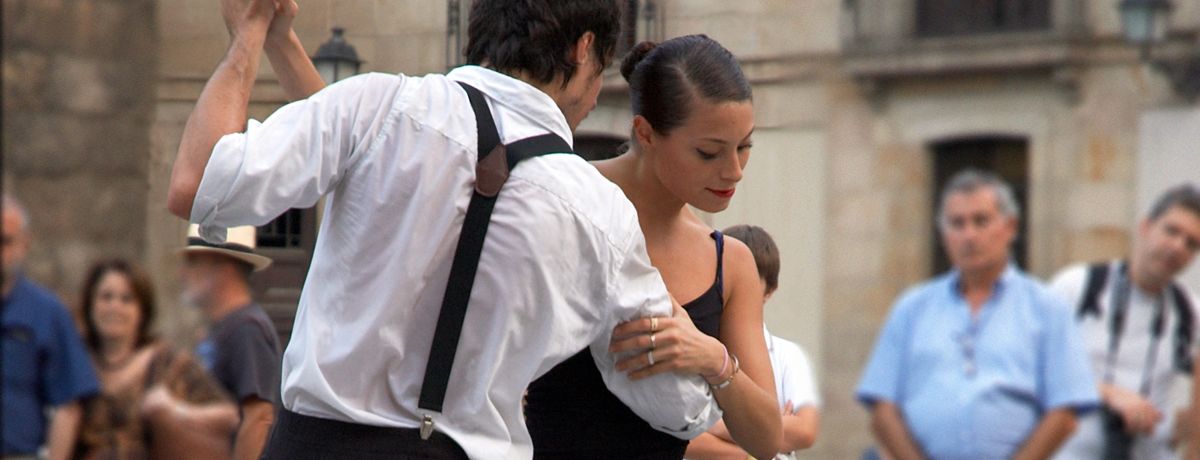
1139,415
248,17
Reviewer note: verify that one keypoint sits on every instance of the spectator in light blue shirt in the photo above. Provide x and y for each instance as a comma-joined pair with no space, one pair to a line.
982,362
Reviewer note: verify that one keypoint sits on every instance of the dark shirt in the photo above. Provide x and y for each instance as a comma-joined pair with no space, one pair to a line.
242,351
44,364
571,415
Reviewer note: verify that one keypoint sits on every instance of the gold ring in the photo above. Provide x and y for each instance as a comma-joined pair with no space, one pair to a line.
653,324
651,340
650,356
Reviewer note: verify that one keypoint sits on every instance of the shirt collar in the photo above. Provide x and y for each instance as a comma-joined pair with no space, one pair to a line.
1005,279
517,96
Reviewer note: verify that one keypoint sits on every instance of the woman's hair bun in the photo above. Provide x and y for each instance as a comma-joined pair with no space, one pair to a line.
634,56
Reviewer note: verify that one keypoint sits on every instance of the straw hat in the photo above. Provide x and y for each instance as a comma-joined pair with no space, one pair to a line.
239,244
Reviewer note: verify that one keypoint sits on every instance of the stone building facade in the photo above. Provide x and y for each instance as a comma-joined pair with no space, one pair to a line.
862,108
78,101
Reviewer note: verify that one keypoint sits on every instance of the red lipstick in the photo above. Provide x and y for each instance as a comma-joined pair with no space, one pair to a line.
727,193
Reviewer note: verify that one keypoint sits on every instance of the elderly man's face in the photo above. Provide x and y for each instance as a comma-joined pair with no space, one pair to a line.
1168,244
16,243
975,233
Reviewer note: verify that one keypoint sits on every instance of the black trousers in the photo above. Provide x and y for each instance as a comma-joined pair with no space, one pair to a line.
300,437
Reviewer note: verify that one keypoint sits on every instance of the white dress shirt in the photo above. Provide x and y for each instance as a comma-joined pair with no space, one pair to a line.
563,263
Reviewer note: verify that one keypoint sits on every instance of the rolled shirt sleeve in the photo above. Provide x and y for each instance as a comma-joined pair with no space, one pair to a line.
882,378
679,405
294,157
1066,372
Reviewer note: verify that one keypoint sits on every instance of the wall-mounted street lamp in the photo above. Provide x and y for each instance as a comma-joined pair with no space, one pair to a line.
336,59
1145,24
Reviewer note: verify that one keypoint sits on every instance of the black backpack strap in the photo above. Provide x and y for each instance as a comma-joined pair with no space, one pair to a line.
1185,332
491,171
1089,304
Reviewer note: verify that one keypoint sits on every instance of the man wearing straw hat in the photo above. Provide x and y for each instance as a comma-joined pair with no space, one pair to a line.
242,348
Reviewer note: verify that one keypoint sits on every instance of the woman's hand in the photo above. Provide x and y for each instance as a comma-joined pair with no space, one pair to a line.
158,403
666,345
281,25
248,17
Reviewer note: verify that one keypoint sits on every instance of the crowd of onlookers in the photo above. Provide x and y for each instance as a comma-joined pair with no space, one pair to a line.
967,365
111,389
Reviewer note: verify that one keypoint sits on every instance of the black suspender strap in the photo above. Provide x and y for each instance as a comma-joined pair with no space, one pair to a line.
491,171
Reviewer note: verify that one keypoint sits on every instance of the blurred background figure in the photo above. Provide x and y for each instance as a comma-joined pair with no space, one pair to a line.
982,362
155,402
864,109
242,348
45,365
1140,326
795,385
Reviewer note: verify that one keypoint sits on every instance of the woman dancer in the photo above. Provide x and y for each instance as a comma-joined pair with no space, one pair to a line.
693,119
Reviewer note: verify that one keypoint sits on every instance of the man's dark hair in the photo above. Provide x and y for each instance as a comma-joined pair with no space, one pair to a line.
537,36
1185,195
665,78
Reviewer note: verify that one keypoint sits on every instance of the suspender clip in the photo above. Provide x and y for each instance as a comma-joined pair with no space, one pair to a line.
426,427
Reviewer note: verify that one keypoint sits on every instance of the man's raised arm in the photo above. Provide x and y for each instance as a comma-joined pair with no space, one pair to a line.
222,106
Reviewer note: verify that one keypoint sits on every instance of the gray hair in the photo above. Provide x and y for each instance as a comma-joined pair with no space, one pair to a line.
1185,195
970,180
11,202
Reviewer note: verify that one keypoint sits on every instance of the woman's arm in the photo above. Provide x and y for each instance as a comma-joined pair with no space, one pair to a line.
295,71
709,446
748,398
749,403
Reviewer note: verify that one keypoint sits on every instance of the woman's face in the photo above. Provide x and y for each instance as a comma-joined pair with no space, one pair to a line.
115,310
701,161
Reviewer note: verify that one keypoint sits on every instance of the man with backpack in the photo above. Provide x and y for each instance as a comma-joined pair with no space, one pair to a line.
1140,327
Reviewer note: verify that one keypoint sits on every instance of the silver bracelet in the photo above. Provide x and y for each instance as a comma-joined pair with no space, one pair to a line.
728,380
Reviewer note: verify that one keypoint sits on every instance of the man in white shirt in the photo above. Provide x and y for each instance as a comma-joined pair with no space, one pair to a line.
1140,329
395,157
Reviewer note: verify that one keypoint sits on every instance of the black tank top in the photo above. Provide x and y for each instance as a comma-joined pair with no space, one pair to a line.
571,415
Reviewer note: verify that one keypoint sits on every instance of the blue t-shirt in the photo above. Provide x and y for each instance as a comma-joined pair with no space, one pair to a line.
45,364
977,388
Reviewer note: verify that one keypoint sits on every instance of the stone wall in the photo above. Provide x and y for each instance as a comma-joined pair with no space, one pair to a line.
78,100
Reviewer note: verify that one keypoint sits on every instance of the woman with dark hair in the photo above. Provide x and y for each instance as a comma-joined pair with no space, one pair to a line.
155,402
693,117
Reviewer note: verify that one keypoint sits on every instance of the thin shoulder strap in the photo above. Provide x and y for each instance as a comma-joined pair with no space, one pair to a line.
720,239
